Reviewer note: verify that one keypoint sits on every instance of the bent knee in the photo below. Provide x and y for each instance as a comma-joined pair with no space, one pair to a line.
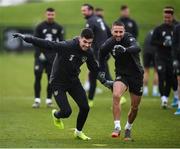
116,96
135,108
67,113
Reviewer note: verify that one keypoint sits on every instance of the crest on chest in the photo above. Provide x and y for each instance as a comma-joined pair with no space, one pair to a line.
54,31
84,59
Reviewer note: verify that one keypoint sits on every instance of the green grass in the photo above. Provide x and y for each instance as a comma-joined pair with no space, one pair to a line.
22,126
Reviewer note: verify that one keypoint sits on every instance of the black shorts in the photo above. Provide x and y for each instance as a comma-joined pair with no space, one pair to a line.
149,60
40,66
134,83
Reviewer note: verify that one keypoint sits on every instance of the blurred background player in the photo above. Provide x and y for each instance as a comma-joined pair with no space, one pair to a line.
130,24
100,13
52,31
176,61
162,39
149,61
175,85
98,27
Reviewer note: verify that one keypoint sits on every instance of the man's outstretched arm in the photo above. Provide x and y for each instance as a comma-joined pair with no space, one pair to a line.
41,43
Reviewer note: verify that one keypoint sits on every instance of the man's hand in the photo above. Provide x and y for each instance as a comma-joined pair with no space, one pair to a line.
108,84
26,38
120,48
18,35
101,77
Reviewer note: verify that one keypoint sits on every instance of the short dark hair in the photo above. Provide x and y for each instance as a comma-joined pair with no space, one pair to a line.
169,10
99,9
118,23
123,7
90,7
50,9
87,33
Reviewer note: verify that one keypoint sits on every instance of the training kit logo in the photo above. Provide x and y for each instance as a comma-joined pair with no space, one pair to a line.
83,59
114,51
177,71
163,33
44,31
36,67
130,24
118,78
87,25
55,93
159,67
141,89
132,39
54,31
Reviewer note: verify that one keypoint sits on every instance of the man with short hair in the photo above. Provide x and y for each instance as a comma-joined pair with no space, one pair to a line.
100,13
100,35
130,24
70,55
52,31
129,74
162,39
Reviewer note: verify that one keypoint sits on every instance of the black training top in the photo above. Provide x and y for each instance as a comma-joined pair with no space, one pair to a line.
68,60
160,35
99,29
48,31
130,25
148,47
127,63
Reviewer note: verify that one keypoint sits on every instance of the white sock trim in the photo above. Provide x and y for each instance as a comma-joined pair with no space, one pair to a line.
128,126
48,101
164,99
77,131
155,89
117,124
37,100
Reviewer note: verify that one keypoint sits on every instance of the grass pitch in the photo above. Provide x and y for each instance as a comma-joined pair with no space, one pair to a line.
22,126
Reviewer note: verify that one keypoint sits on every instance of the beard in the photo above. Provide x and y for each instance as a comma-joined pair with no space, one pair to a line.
118,38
